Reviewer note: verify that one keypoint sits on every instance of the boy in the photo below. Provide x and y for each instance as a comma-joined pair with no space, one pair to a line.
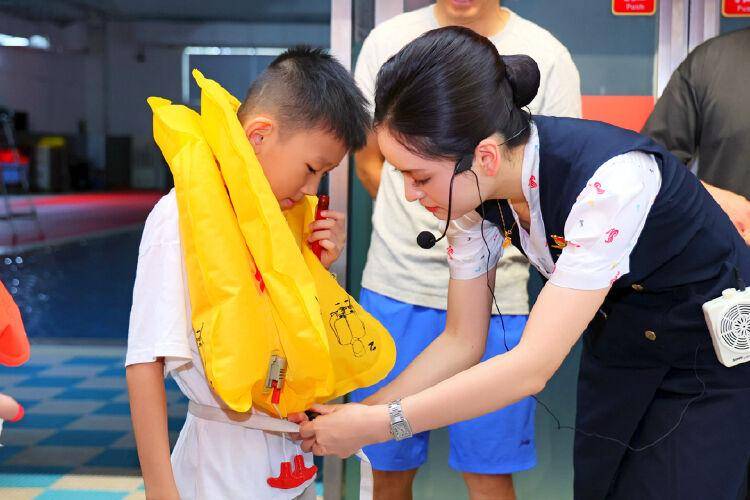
300,116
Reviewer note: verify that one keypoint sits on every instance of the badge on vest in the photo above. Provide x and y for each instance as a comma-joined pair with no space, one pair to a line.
728,320
559,242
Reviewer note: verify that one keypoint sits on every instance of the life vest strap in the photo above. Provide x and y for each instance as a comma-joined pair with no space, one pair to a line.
249,420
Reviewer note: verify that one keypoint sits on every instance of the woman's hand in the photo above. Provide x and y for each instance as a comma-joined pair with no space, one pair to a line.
297,418
342,430
331,234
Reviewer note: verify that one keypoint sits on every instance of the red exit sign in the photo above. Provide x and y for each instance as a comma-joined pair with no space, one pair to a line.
633,7
735,8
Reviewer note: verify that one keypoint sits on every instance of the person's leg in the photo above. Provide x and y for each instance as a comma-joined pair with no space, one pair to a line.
611,402
393,485
488,449
413,328
490,486
707,454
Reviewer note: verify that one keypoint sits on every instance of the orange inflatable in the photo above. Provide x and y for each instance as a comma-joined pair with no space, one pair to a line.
14,346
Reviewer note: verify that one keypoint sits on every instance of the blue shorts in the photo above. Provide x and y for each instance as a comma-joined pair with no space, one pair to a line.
498,443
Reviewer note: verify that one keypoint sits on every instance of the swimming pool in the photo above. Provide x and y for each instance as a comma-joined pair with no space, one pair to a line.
80,291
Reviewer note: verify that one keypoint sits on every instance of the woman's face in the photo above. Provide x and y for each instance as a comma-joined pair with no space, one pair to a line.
428,181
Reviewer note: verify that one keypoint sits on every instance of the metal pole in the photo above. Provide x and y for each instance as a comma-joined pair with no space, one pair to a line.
338,186
704,21
673,39
338,189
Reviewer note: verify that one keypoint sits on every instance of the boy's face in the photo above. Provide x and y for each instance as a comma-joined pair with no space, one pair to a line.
294,163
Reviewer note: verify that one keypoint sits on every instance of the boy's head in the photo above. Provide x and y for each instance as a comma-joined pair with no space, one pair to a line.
302,115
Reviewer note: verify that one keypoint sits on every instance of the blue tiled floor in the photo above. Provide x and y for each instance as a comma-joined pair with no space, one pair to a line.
81,495
115,458
32,421
92,394
74,422
73,438
78,438
114,409
50,382
28,480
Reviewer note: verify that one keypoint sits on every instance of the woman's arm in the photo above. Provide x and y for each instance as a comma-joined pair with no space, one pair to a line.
460,346
557,320
148,409
555,324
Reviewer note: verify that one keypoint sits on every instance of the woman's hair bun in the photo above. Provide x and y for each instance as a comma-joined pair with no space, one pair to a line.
523,74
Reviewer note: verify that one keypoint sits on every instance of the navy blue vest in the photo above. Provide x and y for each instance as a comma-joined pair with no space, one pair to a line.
686,255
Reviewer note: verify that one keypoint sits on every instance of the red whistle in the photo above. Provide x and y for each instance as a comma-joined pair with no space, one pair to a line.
323,201
289,479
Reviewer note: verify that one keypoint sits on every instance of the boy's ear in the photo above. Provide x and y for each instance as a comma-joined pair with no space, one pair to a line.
258,129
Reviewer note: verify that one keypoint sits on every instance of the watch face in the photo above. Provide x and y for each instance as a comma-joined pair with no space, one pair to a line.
400,431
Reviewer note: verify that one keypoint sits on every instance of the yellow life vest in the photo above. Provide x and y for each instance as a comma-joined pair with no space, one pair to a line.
257,291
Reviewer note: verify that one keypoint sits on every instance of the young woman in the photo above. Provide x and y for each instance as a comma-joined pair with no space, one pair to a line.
631,245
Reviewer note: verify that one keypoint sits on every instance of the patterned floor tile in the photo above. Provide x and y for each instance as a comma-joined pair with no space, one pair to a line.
101,483
27,370
50,382
102,422
42,421
82,495
73,371
115,458
118,371
27,395
65,407
21,436
41,456
126,441
176,423
174,396
178,409
12,380
83,438
100,382
35,469
95,360
8,451
28,480
20,493
113,409
90,394
122,398
108,471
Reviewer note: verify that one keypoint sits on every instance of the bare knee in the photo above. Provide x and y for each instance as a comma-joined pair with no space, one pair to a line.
489,486
393,485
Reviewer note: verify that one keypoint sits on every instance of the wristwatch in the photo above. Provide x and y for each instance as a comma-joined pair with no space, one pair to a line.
400,428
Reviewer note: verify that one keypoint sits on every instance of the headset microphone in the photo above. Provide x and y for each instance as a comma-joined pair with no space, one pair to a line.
426,239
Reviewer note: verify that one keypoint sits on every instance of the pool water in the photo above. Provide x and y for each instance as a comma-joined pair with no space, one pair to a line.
77,291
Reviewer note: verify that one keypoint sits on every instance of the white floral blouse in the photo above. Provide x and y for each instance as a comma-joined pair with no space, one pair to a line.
601,230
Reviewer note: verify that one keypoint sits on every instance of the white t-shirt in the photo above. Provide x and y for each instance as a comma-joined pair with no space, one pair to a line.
601,230
396,266
211,459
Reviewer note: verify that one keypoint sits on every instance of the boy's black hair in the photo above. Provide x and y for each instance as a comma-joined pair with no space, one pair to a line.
306,88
